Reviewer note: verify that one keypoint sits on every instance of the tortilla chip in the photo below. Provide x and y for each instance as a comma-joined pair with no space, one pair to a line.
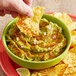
72,26
44,72
70,58
64,17
73,50
73,40
70,70
30,26
53,71
71,74
73,33
60,69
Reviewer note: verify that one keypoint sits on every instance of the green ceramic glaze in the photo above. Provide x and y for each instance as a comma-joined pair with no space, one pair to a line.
38,64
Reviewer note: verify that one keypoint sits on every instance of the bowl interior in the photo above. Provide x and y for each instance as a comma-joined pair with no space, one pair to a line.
49,18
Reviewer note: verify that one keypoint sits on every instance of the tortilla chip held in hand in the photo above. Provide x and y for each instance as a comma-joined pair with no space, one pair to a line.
30,26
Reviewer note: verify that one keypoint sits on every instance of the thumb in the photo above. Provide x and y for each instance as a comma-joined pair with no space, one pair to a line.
23,9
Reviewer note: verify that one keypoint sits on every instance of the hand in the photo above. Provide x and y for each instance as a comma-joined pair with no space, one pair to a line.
14,7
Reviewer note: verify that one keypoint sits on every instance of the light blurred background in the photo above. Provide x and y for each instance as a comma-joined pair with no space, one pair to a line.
68,6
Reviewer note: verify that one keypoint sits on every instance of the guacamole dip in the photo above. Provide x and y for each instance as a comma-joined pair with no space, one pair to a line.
50,42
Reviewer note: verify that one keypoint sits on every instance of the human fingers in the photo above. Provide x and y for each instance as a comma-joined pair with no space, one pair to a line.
6,11
2,12
14,14
21,8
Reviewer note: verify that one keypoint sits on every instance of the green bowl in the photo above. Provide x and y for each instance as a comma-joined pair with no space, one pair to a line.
38,64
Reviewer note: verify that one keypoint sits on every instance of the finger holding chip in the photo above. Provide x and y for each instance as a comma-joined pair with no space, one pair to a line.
30,26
